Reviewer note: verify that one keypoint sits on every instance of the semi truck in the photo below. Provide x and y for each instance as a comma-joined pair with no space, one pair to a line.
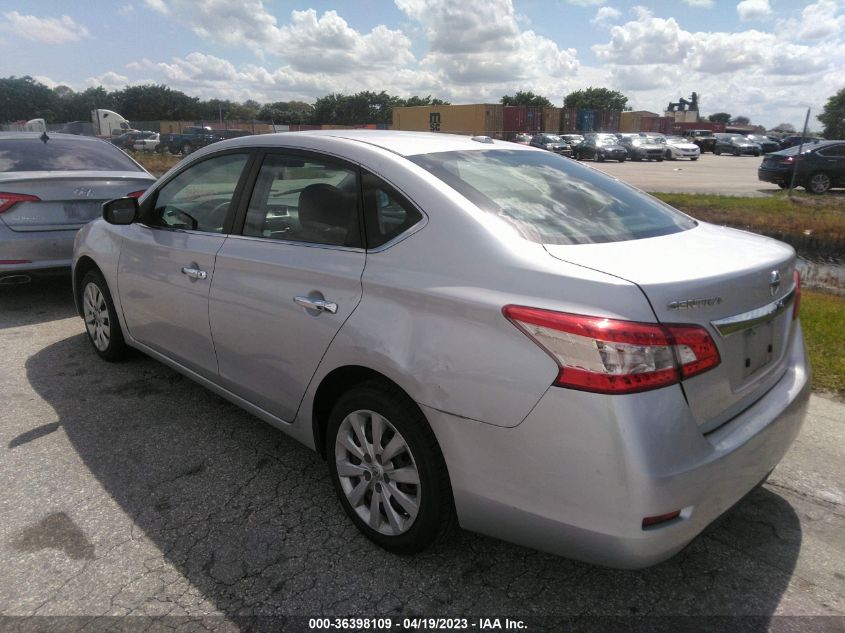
108,123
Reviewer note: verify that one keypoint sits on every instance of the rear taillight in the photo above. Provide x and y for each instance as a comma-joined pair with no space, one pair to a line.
797,301
136,194
8,200
614,356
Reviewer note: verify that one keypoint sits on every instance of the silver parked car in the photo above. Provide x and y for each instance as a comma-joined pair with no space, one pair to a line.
50,186
468,330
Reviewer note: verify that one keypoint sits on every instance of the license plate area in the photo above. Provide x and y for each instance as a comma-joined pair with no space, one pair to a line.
82,211
758,347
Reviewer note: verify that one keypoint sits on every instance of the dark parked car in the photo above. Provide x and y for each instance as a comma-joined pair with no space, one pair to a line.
820,167
792,141
551,142
766,144
735,144
600,148
642,147
703,138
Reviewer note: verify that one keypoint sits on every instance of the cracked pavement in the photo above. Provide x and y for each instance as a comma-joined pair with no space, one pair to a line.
129,490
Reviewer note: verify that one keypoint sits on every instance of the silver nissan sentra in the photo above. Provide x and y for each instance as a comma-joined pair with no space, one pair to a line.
470,331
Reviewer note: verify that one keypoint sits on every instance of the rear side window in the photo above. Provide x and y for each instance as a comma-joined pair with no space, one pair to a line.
58,154
300,199
387,213
552,200
835,150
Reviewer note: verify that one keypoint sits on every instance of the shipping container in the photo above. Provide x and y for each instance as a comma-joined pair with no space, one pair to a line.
551,120
569,120
679,128
476,119
586,121
607,120
521,119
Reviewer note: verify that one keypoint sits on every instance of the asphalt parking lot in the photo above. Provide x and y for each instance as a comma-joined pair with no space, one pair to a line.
129,490
724,175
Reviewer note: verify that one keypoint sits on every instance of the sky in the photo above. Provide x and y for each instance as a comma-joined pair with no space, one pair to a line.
768,60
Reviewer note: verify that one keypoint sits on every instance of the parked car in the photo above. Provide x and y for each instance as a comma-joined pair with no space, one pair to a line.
124,140
557,385
49,187
552,143
188,140
735,144
522,139
146,142
766,144
600,148
574,140
642,147
679,147
819,168
705,139
793,140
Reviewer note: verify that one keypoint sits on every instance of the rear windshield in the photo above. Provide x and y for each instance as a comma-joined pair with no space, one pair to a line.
32,154
553,200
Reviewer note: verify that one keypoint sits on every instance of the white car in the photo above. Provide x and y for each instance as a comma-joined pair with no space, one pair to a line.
679,147
148,144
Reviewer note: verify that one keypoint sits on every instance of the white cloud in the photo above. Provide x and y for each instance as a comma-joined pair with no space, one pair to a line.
109,80
822,19
48,30
605,16
701,4
158,6
753,9
647,40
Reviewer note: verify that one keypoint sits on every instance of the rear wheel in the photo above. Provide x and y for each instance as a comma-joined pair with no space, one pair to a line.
668,154
693,157
818,182
100,316
622,160
737,152
600,158
660,159
717,151
186,149
388,470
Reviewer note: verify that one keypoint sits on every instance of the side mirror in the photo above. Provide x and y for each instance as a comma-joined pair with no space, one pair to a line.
120,210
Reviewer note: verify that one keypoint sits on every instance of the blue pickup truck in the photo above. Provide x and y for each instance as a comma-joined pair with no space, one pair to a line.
192,138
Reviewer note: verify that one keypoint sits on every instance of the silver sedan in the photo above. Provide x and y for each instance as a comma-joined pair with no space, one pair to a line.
50,186
469,331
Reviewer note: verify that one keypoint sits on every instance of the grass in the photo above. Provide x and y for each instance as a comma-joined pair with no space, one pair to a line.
155,163
780,215
823,322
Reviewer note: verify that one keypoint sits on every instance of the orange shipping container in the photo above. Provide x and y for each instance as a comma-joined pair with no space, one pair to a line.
482,118
551,120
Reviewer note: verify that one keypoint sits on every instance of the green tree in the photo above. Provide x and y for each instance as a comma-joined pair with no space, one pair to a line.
362,107
740,120
526,99
422,101
154,102
24,98
286,113
833,116
719,117
784,128
596,99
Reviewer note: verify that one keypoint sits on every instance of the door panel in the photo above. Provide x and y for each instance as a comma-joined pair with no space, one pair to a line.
165,308
268,346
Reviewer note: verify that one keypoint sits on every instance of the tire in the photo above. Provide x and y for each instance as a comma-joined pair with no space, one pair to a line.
757,153
186,149
693,157
783,185
668,155
622,160
417,511
818,183
737,152
717,151
659,159
599,158
101,323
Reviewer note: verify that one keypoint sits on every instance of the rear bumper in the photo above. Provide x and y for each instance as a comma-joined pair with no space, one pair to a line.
35,250
777,177
580,473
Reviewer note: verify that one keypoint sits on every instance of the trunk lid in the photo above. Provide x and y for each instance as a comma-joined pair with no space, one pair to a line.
68,200
723,280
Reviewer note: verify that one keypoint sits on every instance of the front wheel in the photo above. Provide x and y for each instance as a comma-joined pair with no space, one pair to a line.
819,182
387,469
693,157
717,151
100,316
186,149
668,155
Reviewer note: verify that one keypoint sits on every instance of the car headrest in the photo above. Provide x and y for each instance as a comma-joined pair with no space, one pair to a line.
322,205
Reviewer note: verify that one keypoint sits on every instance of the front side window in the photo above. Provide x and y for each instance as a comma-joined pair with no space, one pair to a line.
551,200
199,198
303,199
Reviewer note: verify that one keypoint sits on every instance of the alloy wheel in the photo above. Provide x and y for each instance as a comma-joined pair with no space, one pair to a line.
819,183
97,320
377,472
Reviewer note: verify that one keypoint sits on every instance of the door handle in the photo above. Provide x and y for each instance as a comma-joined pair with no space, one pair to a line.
320,305
194,273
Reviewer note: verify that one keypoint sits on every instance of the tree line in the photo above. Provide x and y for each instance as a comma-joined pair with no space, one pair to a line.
23,98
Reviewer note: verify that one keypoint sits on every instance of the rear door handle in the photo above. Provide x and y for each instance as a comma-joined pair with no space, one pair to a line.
321,305
194,273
